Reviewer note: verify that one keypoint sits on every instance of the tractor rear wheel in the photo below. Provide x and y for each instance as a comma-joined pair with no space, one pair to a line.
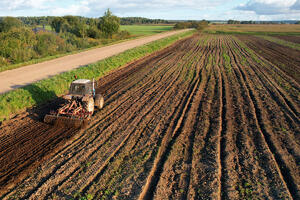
99,101
89,105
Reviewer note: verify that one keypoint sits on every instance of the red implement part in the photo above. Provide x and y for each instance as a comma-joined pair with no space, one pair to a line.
71,114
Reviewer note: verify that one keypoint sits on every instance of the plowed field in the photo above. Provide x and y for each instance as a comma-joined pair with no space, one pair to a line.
295,39
206,118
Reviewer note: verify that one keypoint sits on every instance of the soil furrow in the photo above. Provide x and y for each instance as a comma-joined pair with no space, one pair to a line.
281,166
165,147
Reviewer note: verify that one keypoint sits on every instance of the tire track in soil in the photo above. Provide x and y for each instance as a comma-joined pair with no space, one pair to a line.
185,178
283,171
166,145
241,170
228,155
257,73
185,139
206,170
273,73
281,97
154,174
285,58
252,113
175,144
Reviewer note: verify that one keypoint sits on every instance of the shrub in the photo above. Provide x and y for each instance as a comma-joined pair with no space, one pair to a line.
8,23
94,32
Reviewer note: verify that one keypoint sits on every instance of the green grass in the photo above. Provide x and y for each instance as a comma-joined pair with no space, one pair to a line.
40,92
281,42
146,29
227,62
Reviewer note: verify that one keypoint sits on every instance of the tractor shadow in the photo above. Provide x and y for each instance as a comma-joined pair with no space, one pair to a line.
45,101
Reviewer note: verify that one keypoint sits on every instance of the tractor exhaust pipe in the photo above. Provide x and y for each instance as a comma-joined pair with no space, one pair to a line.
94,91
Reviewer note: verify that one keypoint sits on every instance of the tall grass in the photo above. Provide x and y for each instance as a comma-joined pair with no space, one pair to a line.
40,92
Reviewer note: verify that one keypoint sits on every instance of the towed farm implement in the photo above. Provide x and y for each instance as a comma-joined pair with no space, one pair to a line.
79,105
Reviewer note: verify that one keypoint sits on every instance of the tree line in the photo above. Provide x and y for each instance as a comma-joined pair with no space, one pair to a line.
199,25
256,22
19,42
46,20
142,20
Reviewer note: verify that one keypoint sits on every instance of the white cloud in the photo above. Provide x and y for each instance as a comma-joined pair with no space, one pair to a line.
12,5
125,7
80,9
269,7
165,9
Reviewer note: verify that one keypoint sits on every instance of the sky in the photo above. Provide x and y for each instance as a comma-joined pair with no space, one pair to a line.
158,9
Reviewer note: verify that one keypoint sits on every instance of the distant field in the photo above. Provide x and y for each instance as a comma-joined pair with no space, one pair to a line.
146,29
47,27
138,29
272,29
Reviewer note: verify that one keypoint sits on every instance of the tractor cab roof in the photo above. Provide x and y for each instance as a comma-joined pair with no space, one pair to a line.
82,81
81,87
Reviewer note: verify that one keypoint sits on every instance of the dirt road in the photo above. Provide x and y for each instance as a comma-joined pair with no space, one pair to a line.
16,78
205,118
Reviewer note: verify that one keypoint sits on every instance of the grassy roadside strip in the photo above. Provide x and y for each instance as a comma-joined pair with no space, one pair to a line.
40,92
281,42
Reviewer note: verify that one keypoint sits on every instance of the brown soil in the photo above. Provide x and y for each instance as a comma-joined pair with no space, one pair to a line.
295,39
201,119
287,59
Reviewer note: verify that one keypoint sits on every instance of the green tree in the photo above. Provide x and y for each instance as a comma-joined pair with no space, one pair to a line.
109,24
59,24
93,32
8,23
70,24
233,22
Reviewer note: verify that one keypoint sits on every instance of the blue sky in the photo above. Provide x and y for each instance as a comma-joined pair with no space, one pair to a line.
162,9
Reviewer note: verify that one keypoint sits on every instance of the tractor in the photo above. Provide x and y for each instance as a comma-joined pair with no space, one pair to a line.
79,105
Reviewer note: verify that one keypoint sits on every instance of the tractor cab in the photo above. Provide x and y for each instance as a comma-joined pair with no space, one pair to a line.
81,87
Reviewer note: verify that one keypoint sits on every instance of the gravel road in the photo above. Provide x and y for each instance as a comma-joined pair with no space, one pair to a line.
16,78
